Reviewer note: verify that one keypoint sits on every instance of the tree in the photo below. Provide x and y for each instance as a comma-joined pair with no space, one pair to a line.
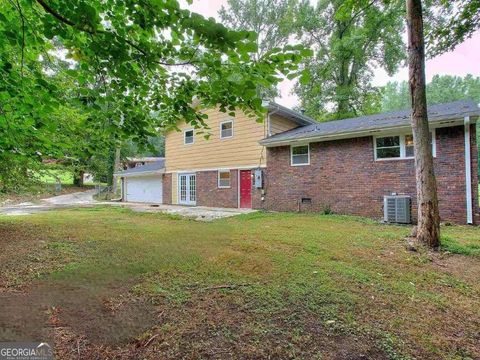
271,20
428,228
442,88
126,60
453,22
351,39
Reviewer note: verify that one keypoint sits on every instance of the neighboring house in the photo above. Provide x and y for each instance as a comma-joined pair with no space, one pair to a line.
291,163
132,162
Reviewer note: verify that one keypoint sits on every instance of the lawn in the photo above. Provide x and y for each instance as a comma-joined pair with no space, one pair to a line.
54,175
110,283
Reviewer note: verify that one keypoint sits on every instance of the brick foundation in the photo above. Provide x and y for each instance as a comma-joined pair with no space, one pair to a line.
344,177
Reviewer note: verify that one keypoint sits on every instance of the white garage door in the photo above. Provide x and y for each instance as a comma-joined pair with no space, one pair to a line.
144,189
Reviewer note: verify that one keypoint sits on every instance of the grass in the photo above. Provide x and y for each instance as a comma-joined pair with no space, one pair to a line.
65,177
253,286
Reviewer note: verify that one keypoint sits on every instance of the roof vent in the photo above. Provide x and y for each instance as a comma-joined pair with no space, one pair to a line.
397,209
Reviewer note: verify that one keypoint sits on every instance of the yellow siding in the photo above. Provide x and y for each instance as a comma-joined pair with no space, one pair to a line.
174,189
240,150
279,124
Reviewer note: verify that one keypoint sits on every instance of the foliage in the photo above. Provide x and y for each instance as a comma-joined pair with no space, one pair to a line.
442,88
271,20
155,147
351,39
116,64
454,22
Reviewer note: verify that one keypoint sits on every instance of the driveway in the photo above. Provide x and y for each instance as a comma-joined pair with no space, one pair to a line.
85,199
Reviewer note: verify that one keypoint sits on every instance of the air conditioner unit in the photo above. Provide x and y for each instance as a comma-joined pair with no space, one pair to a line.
396,209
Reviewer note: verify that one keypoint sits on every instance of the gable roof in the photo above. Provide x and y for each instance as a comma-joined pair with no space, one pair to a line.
156,167
290,114
364,125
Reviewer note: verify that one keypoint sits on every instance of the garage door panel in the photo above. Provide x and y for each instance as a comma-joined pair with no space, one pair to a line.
144,189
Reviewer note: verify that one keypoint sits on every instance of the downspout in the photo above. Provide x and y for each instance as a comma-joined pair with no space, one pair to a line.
468,170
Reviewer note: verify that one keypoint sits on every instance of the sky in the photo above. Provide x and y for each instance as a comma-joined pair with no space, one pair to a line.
465,59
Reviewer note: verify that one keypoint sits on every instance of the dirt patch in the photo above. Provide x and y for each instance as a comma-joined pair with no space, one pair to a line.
221,325
108,316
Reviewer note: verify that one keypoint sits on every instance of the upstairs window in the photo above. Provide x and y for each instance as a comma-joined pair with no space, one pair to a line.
226,129
224,179
300,155
398,147
188,137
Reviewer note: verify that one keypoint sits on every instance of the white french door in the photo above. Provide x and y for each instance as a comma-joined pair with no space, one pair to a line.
187,189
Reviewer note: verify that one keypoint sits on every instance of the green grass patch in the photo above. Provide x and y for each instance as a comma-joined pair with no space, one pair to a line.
269,281
51,176
454,246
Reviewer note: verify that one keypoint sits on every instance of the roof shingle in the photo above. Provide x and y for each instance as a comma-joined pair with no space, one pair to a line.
156,166
439,112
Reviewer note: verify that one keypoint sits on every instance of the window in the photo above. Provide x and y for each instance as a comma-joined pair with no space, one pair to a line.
300,155
226,129
409,146
188,136
388,147
398,147
224,179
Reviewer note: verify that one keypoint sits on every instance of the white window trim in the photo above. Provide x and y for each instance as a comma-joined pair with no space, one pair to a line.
291,155
218,179
224,122
193,136
402,146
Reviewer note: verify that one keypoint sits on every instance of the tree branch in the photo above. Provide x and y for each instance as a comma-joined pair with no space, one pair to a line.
347,25
69,22
23,38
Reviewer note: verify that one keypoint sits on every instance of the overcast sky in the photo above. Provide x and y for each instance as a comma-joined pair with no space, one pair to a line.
465,59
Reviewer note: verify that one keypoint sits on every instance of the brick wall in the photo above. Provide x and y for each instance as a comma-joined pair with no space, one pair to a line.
167,188
343,176
208,193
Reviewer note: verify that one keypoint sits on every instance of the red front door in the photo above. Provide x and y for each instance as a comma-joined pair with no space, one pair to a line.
245,189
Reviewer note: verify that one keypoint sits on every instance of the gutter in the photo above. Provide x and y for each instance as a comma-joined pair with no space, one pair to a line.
468,171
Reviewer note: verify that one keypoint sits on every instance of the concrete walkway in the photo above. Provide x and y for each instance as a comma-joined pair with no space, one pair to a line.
85,199
199,213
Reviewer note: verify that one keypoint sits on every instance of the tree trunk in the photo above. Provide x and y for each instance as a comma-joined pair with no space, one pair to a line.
78,178
428,228
116,167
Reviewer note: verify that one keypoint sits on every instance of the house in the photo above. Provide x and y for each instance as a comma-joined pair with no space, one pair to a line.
132,162
292,163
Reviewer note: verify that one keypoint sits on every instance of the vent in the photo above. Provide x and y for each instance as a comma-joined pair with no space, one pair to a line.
306,200
396,209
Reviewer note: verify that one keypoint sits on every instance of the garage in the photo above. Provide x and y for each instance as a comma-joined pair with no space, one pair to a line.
143,184
146,189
